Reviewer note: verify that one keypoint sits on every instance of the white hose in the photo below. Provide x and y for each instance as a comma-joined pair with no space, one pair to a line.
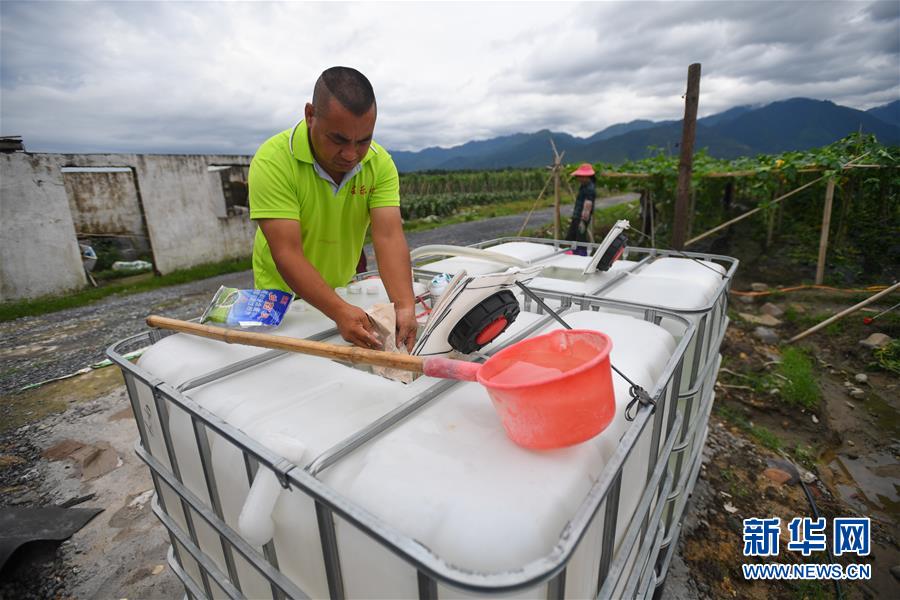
448,250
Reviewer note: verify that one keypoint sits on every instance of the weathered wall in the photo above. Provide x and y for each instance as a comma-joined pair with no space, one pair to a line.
38,251
185,211
183,208
105,203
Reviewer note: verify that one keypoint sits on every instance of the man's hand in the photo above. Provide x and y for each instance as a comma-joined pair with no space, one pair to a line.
355,327
406,327
396,273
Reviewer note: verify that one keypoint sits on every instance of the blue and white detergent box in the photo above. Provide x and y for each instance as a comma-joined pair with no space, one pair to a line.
247,308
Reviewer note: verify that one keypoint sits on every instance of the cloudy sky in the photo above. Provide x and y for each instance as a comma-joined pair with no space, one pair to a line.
222,77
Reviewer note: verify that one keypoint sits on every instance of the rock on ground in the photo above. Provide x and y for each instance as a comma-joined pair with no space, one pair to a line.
766,335
876,340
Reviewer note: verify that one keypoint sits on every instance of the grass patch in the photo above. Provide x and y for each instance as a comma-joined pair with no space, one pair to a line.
757,432
806,455
800,387
48,304
765,437
791,315
835,328
605,218
811,590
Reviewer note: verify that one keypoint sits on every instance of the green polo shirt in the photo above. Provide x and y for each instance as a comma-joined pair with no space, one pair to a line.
286,183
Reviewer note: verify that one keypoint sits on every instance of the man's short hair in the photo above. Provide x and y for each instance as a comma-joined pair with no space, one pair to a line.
348,86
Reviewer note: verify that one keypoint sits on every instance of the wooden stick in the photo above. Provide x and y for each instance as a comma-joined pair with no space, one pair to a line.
351,354
556,167
844,313
533,206
826,225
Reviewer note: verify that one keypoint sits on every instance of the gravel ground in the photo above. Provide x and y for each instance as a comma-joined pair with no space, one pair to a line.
47,346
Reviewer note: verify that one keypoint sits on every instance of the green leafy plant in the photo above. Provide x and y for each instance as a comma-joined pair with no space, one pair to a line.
888,357
799,382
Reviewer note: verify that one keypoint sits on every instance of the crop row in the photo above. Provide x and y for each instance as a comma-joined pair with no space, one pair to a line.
417,206
466,182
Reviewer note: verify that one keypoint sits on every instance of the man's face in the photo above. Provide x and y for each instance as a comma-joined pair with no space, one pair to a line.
339,138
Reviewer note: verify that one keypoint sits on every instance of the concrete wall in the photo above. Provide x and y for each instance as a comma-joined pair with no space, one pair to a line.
38,251
183,211
105,203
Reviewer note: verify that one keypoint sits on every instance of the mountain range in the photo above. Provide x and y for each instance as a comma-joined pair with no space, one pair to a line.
795,124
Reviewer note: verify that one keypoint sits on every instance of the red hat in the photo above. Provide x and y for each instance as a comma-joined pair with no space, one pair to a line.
585,170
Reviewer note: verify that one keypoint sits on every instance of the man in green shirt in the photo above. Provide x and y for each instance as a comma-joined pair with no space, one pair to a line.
314,189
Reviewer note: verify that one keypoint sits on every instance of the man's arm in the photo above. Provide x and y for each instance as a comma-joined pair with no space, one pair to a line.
392,254
286,244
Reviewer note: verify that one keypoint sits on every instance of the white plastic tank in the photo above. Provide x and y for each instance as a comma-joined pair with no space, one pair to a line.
447,477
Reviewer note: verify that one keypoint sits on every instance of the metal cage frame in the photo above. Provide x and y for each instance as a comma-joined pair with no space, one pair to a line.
675,441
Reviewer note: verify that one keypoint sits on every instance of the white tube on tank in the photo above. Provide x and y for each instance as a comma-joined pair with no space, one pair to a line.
255,521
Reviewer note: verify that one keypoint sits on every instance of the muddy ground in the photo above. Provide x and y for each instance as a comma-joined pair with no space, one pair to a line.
846,447
72,439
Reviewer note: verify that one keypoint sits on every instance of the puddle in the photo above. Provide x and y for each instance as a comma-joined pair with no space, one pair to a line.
20,408
871,482
886,416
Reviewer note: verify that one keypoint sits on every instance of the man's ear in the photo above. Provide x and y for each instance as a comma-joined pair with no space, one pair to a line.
308,112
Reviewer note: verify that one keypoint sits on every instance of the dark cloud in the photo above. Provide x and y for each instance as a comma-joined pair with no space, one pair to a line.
222,77
884,11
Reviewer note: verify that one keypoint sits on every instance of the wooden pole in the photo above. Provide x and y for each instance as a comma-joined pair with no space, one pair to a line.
351,354
844,313
557,159
685,164
826,224
691,208
556,217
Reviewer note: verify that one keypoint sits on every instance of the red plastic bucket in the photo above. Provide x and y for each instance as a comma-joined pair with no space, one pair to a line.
553,390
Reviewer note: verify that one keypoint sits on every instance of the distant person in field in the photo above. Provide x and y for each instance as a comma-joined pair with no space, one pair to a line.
584,206
314,189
